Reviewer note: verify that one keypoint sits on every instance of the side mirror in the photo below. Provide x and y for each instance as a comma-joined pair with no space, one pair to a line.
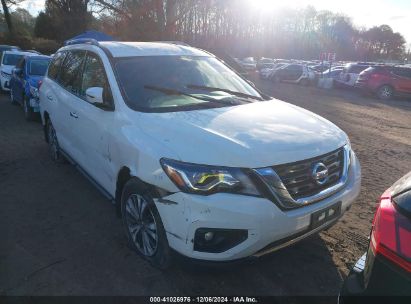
94,95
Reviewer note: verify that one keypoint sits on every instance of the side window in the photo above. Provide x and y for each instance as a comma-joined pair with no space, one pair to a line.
20,64
70,75
94,75
55,65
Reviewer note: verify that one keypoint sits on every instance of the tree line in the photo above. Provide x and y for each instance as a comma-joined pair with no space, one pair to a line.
229,25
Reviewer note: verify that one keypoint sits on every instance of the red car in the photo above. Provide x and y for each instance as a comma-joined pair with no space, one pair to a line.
385,270
385,81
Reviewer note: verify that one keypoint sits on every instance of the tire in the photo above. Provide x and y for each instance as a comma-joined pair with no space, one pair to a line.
143,226
385,92
304,82
29,115
12,100
54,148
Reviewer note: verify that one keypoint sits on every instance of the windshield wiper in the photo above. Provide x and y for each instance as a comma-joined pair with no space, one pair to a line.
169,91
239,94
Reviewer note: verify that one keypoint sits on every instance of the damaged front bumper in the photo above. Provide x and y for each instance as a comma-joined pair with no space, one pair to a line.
244,225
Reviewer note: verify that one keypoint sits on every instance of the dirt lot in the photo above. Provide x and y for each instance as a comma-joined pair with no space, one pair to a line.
60,236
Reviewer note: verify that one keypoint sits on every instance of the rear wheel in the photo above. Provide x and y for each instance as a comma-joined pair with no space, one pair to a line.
28,110
143,226
385,92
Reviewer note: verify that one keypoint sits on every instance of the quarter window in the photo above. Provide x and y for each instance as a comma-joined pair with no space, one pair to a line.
70,75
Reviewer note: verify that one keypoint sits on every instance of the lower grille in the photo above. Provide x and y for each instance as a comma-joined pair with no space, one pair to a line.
298,177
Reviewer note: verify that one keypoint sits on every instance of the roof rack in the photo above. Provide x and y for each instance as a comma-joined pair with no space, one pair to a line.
82,41
173,42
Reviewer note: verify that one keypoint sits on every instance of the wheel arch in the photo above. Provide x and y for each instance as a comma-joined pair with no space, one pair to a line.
123,176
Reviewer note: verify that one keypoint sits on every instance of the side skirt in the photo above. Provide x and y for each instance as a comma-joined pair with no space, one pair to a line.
86,175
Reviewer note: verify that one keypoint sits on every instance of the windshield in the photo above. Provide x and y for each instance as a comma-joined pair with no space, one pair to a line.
38,67
11,59
192,75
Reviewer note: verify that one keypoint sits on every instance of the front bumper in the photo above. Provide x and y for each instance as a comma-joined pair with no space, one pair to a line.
5,83
182,214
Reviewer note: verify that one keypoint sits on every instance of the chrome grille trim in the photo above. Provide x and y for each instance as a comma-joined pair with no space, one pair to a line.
280,189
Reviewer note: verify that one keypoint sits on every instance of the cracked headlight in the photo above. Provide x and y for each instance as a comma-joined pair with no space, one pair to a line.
205,180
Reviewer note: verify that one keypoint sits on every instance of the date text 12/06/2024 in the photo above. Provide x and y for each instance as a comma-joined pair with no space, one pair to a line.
234,299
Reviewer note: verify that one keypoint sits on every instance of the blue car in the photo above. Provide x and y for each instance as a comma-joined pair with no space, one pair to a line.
25,80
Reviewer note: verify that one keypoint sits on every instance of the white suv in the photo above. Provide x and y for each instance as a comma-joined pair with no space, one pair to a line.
195,158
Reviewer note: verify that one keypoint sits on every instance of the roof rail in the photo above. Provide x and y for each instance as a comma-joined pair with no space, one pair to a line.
173,42
82,41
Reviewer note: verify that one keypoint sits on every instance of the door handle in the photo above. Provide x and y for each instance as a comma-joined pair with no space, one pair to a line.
49,97
73,114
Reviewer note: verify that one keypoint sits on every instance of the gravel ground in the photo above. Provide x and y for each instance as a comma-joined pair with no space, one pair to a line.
60,236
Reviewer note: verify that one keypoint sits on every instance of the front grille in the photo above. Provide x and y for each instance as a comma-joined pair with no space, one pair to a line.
297,177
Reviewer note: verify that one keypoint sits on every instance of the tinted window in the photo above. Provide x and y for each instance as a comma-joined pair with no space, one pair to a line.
55,65
94,75
403,201
357,69
403,72
20,64
11,59
38,67
70,74
294,67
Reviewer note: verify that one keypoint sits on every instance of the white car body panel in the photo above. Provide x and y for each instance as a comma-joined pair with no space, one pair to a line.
253,135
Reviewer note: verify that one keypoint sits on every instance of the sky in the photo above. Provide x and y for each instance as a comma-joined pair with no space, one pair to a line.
364,13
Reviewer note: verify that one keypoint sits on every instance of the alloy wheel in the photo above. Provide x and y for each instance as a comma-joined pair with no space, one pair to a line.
141,224
385,92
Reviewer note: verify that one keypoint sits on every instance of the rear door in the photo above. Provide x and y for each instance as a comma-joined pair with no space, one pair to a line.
69,81
295,72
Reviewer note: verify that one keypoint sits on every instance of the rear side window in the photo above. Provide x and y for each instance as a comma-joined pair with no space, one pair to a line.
403,72
357,69
70,75
55,65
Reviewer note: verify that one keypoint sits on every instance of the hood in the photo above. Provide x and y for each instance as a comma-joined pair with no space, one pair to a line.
7,68
252,135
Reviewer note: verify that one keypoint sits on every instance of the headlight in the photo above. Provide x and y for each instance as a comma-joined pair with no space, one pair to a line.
34,92
205,180
5,75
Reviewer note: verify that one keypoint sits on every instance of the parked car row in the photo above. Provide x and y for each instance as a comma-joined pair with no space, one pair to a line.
382,81
196,160
21,73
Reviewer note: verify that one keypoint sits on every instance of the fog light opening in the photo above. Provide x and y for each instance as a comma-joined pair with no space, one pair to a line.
208,236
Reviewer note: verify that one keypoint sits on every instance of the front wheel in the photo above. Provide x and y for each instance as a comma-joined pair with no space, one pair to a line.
143,226
385,92
28,110
12,99
54,148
